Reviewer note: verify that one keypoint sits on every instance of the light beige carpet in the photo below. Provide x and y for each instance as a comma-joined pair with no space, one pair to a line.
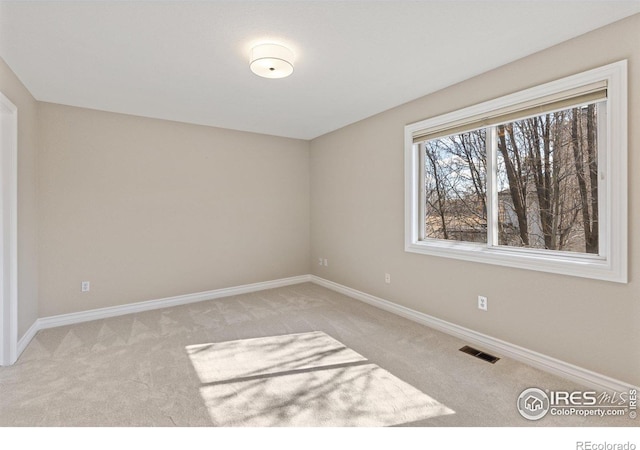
303,380
133,370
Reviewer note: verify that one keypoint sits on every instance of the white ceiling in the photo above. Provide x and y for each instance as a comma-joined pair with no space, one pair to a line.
188,61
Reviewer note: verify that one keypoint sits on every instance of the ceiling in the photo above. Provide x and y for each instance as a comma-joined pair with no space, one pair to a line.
188,61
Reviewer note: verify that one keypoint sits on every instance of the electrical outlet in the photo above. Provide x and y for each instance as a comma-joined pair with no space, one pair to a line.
483,303
85,286
319,261
326,262
387,278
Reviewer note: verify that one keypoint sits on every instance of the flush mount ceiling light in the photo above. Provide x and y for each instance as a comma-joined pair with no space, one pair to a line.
271,61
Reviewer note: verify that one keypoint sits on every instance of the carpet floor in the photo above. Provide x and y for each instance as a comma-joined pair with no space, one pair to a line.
139,370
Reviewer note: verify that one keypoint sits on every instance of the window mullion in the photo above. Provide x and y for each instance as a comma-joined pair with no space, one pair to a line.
492,187
422,195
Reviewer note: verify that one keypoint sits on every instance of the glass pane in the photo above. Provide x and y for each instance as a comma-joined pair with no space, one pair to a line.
455,182
548,181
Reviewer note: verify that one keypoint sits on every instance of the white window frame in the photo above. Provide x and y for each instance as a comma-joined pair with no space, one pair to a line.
611,262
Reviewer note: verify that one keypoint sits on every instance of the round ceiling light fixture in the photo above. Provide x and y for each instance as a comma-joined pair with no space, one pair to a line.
271,61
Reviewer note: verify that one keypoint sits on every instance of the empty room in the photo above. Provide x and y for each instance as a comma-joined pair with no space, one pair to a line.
345,214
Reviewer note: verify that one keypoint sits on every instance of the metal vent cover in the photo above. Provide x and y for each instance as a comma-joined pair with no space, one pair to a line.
479,354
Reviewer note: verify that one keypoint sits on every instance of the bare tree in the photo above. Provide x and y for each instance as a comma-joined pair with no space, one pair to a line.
455,185
438,201
587,173
550,194
517,179
547,177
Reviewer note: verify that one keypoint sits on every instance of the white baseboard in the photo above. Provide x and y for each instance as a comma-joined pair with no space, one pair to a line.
26,338
113,311
538,360
548,364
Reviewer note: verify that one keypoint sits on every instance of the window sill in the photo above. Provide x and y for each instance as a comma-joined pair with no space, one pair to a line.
579,265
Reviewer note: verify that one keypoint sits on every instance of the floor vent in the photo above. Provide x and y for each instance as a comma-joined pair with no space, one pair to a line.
478,354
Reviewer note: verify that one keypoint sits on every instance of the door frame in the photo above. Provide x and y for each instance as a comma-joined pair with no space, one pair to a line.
8,231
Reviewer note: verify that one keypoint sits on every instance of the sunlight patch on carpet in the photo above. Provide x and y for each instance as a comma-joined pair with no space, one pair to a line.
261,356
303,380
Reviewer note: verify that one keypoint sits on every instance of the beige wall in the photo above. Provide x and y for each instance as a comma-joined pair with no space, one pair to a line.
357,218
146,209
15,91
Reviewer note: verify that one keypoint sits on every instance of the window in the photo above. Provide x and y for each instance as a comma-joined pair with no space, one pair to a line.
534,180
